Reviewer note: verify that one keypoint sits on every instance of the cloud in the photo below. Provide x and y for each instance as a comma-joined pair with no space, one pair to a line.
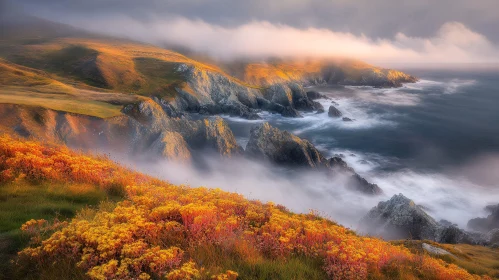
452,43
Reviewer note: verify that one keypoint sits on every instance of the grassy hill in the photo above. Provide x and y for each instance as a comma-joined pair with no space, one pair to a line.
160,230
57,66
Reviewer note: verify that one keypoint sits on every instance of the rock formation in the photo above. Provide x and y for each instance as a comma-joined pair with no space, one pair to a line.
334,112
486,224
144,128
283,148
401,218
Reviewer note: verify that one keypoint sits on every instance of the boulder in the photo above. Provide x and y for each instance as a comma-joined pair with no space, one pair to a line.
333,112
345,119
434,250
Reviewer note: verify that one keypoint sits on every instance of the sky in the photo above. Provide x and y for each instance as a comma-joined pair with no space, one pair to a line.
438,31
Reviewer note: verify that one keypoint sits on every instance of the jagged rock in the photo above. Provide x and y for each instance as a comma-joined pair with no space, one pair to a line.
359,183
220,137
345,119
486,224
143,129
333,112
282,147
399,218
453,235
445,223
277,108
318,107
171,145
338,162
434,250
313,95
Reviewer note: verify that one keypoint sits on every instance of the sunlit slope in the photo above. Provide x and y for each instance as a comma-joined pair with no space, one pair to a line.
163,230
111,64
331,71
28,86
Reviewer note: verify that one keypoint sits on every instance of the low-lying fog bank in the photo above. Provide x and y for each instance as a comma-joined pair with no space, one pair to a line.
444,196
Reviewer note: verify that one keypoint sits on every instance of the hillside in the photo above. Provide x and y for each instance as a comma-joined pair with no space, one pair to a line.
177,232
98,71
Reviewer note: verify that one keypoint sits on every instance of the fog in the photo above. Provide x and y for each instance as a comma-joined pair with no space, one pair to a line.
453,42
450,196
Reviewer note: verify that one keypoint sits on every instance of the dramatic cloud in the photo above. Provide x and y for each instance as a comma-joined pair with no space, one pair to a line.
453,41
376,19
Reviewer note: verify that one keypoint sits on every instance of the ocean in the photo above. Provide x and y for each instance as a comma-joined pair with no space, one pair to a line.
435,141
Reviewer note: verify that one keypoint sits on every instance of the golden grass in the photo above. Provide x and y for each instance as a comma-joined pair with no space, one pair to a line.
58,102
475,259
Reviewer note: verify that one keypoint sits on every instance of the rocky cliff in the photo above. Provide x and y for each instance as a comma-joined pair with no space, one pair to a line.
283,148
214,92
143,129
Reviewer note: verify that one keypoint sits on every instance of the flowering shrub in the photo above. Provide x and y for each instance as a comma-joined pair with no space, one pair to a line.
153,233
35,162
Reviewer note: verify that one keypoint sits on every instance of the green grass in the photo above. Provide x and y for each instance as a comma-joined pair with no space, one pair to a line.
161,77
23,201
58,102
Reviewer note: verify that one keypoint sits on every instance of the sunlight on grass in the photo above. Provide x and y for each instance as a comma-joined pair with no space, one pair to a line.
59,102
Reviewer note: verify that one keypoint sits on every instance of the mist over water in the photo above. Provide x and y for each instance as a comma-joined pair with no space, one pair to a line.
435,141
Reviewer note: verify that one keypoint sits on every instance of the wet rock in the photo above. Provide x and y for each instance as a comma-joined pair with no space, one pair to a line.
318,107
345,119
334,112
